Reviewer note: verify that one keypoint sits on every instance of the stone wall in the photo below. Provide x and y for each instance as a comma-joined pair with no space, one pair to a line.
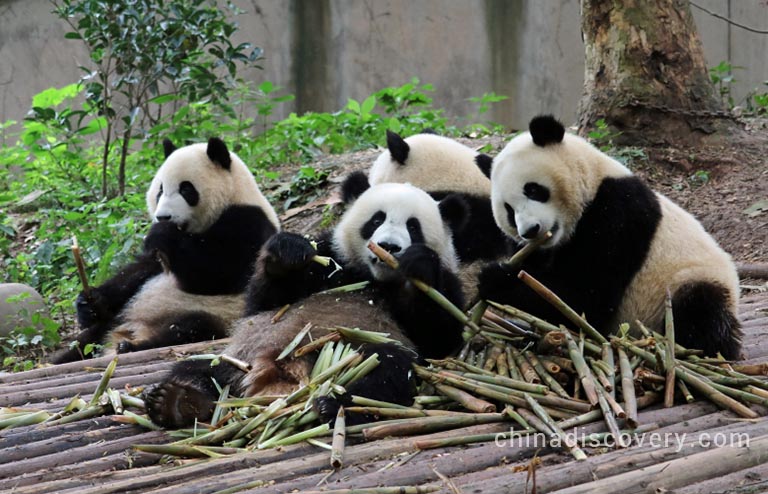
326,51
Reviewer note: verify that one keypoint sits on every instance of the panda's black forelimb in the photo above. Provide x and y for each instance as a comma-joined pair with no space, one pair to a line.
285,271
218,261
188,393
704,321
103,303
433,330
391,381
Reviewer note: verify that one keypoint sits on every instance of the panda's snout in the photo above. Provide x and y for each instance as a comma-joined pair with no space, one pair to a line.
531,232
163,217
390,247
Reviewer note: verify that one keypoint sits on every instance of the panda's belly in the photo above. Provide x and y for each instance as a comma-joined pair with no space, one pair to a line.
161,297
682,252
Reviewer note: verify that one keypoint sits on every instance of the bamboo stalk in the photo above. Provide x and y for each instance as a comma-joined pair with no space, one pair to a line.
669,364
545,376
585,375
367,402
534,421
352,287
565,364
695,382
560,305
490,360
608,417
333,336
607,357
463,439
80,267
526,250
104,382
465,399
430,424
551,342
337,445
295,341
600,375
502,368
685,391
380,490
280,313
527,370
514,371
400,413
514,415
570,445
628,388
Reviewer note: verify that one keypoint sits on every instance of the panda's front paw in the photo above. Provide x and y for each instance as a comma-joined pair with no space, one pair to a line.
174,405
162,237
287,252
92,308
125,346
422,263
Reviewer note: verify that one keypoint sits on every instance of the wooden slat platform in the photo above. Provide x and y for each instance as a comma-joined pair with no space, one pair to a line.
95,456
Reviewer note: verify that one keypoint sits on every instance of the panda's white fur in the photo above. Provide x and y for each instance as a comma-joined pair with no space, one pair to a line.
675,252
400,202
434,163
219,188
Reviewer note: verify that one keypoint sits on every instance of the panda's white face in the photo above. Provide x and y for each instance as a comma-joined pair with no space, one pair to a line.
191,190
395,216
524,208
539,188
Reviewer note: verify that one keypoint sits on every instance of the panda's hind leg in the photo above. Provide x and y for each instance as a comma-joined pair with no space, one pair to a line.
188,393
189,327
703,320
391,381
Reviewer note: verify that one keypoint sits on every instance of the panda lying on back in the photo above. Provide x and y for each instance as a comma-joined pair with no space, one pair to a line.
616,245
209,222
400,218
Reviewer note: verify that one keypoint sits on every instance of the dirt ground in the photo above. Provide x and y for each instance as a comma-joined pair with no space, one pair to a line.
724,186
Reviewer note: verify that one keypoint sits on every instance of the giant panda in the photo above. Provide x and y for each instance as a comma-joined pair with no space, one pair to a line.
442,166
400,218
209,221
616,246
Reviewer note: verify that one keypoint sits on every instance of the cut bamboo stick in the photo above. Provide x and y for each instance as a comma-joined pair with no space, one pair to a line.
582,369
669,360
339,435
560,305
628,388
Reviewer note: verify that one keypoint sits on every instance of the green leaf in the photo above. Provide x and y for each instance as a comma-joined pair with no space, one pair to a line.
353,106
164,98
368,104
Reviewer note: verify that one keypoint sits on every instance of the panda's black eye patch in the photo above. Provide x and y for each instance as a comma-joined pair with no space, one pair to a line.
372,224
510,215
536,192
189,193
414,230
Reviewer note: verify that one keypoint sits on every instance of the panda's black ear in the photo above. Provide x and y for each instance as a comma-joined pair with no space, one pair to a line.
353,186
168,147
218,153
397,146
546,129
484,162
455,211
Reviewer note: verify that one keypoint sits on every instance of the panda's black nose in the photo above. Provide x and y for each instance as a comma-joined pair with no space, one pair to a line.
389,247
165,217
531,232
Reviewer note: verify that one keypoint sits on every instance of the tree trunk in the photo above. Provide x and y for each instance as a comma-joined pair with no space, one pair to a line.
646,74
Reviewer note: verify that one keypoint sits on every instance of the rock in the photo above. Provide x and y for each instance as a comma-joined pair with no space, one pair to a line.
18,304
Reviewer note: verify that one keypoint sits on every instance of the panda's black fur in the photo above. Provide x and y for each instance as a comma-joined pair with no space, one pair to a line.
216,261
286,274
442,167
616,247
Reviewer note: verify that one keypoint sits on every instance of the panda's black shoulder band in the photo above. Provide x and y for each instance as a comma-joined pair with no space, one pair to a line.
546,129
484,162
